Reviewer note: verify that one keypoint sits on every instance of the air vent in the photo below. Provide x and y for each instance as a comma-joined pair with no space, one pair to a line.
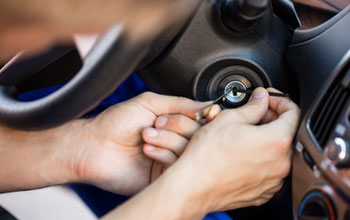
324,118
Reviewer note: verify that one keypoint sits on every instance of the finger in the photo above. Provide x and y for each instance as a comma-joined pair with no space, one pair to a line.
254,110
180,124
164,156
271,89
280,105
269,116
214,111
269,184
165,139
261,201
270,193
277,141
161,104
274,102
157,170
286,124
275,189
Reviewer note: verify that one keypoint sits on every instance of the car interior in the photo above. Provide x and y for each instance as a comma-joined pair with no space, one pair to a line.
301,47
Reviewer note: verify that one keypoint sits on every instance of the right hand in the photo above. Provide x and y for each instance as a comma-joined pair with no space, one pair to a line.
232,162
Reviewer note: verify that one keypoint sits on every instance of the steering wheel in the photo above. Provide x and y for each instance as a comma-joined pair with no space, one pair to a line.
92,83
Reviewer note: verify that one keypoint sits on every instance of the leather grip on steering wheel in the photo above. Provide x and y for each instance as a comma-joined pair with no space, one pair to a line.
111,60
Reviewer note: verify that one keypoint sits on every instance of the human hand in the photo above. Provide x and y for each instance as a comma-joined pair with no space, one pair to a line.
167,140
105,151
233,162
111,156
239,159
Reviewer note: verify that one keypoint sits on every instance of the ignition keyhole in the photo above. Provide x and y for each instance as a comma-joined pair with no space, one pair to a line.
235,97
235,93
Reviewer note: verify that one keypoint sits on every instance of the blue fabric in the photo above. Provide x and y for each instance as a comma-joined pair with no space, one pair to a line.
37,94
100,201
131,87
218,216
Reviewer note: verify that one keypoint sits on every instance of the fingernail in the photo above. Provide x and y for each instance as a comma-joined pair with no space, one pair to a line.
150,148
259,93
151,132
161,121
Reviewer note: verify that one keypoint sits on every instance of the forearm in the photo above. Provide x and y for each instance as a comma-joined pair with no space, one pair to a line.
170,197
31,160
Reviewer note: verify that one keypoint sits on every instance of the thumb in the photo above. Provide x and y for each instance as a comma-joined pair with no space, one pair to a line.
255,109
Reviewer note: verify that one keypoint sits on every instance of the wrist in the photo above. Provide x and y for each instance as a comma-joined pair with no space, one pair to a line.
70,143
171,196
186,194
198,192
37,159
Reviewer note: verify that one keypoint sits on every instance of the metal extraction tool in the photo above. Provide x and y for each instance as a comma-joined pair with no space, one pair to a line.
205,111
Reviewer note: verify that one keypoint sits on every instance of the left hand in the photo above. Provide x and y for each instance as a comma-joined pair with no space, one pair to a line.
111,156
105,151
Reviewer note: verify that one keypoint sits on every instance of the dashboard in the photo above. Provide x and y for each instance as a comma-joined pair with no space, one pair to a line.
321,162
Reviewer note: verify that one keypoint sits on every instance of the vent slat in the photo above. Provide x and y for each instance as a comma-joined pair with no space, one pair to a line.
328,113
332,118
316,126
324,119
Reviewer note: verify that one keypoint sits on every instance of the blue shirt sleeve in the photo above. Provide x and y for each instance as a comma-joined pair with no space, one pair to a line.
218,216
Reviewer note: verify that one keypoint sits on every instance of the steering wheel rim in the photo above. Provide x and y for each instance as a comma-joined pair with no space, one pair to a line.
91,84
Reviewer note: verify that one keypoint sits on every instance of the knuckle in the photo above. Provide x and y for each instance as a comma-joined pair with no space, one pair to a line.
284,170
260,202
290,127
285,143
180,100
282,145
180,121
278,188
177,123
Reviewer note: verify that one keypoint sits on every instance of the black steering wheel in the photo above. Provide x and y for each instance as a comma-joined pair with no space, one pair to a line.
92,83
